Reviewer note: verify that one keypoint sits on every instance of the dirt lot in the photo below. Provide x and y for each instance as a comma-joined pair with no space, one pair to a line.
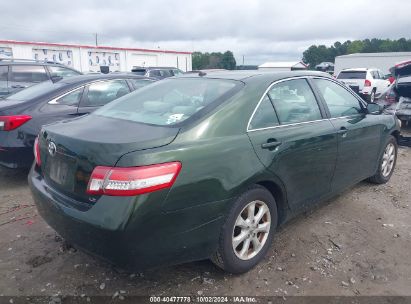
357,244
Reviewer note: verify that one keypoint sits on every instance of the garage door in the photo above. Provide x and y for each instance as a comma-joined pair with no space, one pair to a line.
143,60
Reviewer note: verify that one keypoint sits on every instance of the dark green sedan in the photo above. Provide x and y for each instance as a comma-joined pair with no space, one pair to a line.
206,166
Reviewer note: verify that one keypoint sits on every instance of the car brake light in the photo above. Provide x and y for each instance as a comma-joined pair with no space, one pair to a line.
37,152
367,83
130,181
8,123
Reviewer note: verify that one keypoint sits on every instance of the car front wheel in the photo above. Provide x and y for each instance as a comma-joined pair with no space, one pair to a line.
248,231
387,162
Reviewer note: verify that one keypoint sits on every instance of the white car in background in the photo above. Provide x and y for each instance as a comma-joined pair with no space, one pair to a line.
369,83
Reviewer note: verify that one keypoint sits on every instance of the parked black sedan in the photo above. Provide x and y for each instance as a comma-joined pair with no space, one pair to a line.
22,114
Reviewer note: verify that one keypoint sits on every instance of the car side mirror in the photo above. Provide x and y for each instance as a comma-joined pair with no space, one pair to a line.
55,79
374,109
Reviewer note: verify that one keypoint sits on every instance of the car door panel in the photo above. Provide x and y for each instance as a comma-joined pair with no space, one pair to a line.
304,159
301,149
65,106
358,149
359,134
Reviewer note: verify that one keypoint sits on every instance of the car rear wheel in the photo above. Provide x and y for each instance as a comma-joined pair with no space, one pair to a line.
248,231
387,162
372,96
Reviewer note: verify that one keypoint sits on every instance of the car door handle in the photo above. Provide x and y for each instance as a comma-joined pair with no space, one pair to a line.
271,144
17,86
343,131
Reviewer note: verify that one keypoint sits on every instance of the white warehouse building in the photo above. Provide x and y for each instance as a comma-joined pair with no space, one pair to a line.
87,58
382,61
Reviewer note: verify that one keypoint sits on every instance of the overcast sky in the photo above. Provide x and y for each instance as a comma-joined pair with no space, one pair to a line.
259,30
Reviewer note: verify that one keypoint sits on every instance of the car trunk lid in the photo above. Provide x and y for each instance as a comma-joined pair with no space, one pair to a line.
404,86
401,69
70,150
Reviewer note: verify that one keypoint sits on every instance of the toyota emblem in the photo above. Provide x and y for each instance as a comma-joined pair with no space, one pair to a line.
52,148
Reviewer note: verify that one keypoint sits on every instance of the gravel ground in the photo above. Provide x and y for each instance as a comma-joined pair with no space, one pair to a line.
356,244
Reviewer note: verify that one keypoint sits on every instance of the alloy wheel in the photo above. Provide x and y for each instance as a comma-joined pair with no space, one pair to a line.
388,160
251,230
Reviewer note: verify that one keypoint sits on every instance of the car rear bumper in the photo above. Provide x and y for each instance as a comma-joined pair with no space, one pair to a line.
115,230
404,117
16,157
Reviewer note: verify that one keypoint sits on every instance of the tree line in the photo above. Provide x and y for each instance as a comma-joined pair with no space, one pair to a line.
215,60
316,54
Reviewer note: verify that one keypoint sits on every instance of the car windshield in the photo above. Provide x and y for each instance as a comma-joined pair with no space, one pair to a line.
352,75
168,102
35,91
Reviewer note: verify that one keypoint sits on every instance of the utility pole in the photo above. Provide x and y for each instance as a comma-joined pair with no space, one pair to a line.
243,59
96,39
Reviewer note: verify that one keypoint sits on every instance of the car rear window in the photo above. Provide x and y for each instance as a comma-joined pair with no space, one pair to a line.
35,91
139,71
352,75
169,102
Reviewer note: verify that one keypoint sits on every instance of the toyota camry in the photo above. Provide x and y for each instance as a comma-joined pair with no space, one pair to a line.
207,166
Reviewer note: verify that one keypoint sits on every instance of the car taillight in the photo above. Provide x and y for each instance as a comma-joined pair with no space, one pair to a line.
367,83
8,123
37,152
129,181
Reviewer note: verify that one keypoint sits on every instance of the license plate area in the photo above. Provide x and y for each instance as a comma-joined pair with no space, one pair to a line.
61,171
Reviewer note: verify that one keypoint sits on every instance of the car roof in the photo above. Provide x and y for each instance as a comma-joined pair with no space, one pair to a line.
154,68
92,77
358,69
246,75
29,62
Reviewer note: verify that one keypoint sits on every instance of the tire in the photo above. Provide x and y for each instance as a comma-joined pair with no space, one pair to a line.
382,176
372,96
231,259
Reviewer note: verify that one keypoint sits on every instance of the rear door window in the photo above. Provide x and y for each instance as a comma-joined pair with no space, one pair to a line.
28,73
103,92
375,75
57,71
177,72
139,83
294,102
70,99
264,116
340,102
155,73
352,75
166,73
